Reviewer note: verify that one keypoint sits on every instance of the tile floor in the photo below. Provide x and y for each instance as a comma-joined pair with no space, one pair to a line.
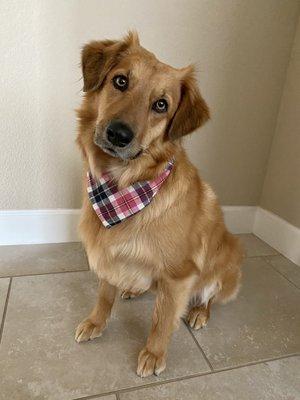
250,348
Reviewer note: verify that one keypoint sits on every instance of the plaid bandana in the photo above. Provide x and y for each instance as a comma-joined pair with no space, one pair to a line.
113,205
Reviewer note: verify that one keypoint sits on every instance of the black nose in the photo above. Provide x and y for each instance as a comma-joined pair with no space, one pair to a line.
119,134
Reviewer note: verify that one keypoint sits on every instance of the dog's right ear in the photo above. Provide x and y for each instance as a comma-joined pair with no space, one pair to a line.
192,111
98,57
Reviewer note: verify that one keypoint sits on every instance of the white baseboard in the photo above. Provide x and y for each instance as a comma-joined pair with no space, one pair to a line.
57,226
278,233
38,226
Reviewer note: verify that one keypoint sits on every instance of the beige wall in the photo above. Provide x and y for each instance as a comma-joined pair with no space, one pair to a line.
281,191
241,49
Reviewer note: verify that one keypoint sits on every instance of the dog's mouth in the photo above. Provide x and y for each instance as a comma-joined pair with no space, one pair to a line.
109,151
123,154
139,153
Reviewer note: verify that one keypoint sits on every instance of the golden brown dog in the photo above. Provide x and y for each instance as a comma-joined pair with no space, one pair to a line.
134,113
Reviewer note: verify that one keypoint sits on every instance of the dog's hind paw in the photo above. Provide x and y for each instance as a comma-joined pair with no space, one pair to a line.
197,317
127,294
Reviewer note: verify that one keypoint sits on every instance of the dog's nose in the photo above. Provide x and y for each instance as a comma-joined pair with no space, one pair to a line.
119,134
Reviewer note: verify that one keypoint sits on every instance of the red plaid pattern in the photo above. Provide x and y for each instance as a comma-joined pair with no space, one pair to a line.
112,205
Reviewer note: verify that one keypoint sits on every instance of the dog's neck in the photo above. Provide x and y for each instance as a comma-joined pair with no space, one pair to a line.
146,167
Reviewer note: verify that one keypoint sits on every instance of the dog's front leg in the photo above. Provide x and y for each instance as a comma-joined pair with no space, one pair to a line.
171,301
92,327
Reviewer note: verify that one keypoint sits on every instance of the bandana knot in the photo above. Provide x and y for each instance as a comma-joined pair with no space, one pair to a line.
113,205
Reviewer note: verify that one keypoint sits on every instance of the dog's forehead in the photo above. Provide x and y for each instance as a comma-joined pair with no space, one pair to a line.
144,65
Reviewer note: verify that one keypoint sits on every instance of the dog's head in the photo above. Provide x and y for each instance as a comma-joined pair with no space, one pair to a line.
138,100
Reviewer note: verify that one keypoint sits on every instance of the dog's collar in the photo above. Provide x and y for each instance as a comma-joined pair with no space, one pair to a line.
113,205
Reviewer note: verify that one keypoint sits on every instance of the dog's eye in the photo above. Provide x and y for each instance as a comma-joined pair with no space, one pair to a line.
120,82
160,106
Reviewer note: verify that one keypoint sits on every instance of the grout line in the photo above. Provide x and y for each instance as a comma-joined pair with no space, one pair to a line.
280,273
96,396
201,374
198,345
183,378
5,308
252,363
44,273
86,270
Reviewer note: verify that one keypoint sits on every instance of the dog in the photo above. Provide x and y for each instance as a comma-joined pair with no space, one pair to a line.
134,113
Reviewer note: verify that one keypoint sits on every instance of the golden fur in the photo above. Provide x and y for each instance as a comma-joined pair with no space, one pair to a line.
177,245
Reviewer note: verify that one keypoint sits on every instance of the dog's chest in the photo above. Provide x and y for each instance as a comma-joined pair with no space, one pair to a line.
127,276
132,265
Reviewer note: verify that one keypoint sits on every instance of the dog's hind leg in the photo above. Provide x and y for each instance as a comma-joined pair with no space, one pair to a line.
200,304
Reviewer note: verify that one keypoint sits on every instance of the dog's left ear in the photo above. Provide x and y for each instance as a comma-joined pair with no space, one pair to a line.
192,111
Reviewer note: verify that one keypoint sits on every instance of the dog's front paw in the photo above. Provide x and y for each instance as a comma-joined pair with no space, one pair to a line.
87,330
149,364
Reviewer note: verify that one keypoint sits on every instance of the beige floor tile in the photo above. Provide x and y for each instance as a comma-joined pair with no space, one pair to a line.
41,258
286,267
111,397
256,247
39,358
275,380
263,322
4,283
